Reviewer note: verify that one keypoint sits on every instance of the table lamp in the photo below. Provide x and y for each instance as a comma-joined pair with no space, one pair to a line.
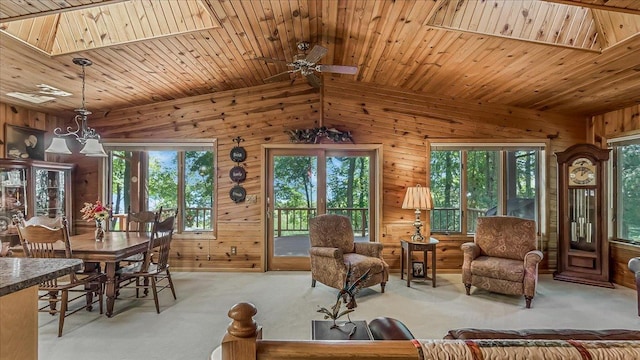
418,198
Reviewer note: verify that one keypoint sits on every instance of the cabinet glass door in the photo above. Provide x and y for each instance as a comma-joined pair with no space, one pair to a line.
49,194
13,186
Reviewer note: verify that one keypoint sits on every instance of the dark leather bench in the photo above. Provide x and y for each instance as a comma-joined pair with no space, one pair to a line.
385,328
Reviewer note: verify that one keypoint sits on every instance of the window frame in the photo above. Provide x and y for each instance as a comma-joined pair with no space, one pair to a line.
178,145
490,145
613,181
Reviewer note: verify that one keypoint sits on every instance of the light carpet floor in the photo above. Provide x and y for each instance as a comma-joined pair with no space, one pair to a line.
192,326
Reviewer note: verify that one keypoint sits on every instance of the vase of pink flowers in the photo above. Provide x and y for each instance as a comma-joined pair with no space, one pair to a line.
96,212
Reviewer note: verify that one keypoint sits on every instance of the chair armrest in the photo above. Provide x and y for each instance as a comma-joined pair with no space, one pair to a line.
470,250
532,258
368,249
326,252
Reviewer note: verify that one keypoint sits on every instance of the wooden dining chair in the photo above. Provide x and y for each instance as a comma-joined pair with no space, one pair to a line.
55,223
153,272
39,241
52,222
139,222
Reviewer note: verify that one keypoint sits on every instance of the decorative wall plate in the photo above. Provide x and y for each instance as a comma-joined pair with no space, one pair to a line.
237,174
238,194
238,154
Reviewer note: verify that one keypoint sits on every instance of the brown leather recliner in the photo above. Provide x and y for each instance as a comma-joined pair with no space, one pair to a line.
333,249
503,257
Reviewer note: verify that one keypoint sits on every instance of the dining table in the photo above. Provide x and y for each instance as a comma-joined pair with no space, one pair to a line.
115,247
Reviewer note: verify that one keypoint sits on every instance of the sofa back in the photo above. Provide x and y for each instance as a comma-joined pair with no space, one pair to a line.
505,236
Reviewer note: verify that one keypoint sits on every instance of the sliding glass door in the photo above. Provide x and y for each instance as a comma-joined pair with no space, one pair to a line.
304,183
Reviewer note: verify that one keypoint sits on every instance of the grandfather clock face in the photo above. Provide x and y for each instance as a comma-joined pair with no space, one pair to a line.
582,172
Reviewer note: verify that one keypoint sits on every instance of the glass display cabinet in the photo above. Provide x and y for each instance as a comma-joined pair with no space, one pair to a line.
33,188
583,250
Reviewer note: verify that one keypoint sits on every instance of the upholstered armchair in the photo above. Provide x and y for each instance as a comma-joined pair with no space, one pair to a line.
333,249
503,257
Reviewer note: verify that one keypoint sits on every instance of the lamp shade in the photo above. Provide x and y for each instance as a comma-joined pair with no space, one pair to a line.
93,148
58,146
418,197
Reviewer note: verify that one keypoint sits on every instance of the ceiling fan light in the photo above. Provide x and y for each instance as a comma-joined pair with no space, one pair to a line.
58,146
93,148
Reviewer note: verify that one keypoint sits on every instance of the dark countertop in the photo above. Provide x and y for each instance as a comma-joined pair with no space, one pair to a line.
20,273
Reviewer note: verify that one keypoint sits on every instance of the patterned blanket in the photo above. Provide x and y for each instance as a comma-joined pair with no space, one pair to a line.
529,349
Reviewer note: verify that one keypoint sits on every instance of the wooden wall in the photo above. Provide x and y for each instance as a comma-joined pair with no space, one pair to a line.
260,115
402,121
405,122
601,128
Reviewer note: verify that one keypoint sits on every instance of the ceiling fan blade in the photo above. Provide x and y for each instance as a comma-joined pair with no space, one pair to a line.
340,69
314,80
316,54
279,77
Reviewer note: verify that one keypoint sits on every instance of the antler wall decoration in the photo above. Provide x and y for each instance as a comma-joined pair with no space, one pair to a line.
315,135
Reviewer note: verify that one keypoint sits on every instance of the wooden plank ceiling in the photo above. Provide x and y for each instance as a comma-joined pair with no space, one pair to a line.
110,24
542,55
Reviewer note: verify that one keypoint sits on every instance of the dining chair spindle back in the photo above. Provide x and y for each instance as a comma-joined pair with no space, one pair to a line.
153,272
40,241
141,221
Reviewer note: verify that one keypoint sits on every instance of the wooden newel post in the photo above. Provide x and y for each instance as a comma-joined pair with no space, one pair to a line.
239,343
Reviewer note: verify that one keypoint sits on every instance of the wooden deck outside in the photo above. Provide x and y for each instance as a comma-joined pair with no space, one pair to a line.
298,245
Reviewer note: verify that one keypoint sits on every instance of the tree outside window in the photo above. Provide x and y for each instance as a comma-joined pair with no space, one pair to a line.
468,183
173,180
627,191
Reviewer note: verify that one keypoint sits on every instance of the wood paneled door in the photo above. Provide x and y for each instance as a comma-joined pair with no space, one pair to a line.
310,180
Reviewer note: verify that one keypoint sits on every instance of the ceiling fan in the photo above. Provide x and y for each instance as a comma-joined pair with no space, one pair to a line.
306,64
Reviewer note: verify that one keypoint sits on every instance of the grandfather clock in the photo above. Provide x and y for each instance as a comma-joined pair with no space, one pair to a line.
583,249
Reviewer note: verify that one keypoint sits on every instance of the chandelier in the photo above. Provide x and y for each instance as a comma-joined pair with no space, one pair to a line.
84,134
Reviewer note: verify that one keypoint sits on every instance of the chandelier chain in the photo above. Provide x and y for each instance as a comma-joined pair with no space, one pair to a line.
83,85
83,132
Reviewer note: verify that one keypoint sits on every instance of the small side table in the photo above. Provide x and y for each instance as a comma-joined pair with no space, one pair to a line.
407,247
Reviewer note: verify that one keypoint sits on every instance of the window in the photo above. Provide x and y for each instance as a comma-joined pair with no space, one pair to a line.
172,177
626,186
482,180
